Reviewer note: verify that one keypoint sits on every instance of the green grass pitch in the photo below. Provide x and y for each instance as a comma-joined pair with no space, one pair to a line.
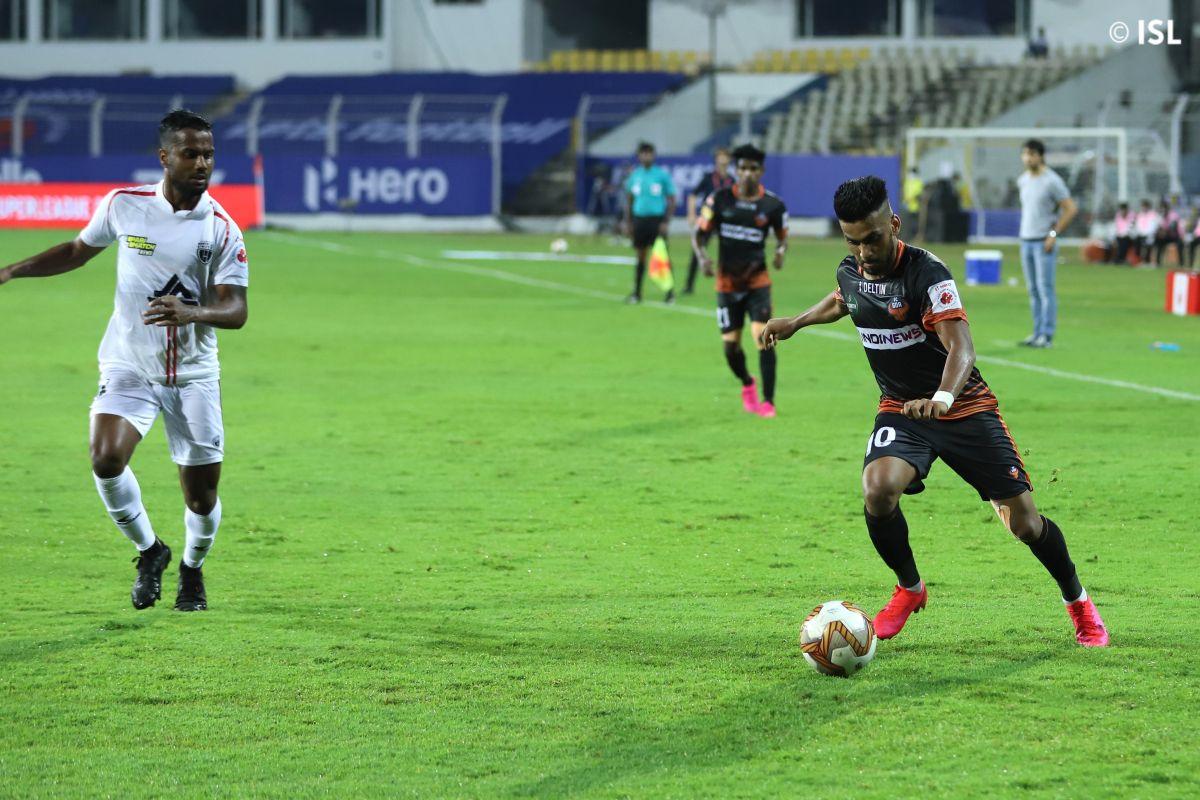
490,533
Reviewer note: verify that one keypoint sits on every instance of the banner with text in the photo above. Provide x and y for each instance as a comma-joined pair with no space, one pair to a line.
458,186
63,191
70,205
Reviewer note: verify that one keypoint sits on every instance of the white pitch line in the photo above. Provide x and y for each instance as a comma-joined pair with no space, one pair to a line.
1079,376
565,258
512,277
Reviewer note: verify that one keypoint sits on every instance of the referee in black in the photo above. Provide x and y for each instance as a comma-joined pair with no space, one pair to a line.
717,178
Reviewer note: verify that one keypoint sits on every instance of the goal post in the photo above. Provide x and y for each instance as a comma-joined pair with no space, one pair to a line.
1102,167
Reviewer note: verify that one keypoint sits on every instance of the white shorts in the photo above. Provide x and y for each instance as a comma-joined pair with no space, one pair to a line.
192,413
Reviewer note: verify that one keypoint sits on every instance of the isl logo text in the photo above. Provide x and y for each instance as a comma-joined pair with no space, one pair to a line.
1149,31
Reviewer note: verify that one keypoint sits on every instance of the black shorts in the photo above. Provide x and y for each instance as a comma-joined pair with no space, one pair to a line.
732,308
646,230
978,448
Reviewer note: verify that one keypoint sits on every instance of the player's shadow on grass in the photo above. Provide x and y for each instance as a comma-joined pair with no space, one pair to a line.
782,719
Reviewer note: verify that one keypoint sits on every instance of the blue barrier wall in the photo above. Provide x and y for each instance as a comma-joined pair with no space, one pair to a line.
128,170
444,186
806,183
535,127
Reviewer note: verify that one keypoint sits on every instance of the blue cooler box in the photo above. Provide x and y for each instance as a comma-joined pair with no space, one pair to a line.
983,266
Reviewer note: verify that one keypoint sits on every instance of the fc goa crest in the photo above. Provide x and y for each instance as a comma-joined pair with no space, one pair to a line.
898,308
204,252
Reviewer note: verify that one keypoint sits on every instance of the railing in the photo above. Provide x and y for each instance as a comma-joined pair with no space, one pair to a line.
322,126
64,110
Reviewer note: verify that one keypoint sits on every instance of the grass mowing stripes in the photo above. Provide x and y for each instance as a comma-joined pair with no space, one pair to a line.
489,538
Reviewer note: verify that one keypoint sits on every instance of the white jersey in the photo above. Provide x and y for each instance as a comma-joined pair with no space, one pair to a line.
163,251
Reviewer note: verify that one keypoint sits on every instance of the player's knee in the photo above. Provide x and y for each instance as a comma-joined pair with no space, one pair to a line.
1026,527
201,504
107,462
732,346
880,498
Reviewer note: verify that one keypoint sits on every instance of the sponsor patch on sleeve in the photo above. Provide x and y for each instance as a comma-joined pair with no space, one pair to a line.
944,297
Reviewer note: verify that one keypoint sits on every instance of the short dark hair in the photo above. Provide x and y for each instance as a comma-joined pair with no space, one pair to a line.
722,149
748,152
1036,146
859,198
180,119
645,147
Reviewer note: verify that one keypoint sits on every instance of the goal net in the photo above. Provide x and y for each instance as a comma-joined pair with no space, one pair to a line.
1101,166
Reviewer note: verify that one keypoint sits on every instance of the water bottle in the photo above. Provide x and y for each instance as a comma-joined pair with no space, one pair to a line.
1169,347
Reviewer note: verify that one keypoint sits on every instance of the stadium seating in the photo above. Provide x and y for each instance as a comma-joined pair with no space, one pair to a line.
829,60
688,62
871,100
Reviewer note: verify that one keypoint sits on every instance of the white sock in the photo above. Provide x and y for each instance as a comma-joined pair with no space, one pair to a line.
123,498
916,588
1082,596
201,530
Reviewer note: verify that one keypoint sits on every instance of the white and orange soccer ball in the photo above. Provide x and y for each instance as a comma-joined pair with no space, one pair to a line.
837,638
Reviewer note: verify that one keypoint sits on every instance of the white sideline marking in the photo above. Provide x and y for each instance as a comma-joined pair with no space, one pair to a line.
566,258
1078,376
512,277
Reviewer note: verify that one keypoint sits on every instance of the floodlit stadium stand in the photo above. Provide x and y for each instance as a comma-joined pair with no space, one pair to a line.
866,107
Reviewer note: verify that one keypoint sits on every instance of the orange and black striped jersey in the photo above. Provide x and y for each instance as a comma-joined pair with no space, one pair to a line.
742,225
895,317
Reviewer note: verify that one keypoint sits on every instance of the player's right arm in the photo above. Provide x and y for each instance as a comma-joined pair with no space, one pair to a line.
829,309
55,261
98,234
701,234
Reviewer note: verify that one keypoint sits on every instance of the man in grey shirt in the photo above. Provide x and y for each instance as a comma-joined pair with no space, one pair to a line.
1046,209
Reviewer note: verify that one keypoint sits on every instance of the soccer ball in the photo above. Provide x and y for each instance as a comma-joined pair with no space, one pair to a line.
837,638
558,246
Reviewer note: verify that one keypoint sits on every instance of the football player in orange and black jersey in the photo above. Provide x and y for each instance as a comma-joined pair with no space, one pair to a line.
934,402
742,216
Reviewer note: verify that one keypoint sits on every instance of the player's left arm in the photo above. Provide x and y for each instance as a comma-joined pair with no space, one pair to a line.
701,234
225,302
781,237
960,360
1067,209
228,311
671,202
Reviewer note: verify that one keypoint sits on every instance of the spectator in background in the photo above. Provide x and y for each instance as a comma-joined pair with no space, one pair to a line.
604,203
1123,230
1194,227
1145,229
717,178
1038,46
1168,233
913,188
913,193
1046,209
964,191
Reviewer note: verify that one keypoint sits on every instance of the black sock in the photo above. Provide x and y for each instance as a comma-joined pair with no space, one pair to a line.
693,268
639,272
766,365
737,362
1051,550
890,536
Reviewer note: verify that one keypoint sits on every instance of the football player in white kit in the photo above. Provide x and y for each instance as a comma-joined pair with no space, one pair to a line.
181,272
